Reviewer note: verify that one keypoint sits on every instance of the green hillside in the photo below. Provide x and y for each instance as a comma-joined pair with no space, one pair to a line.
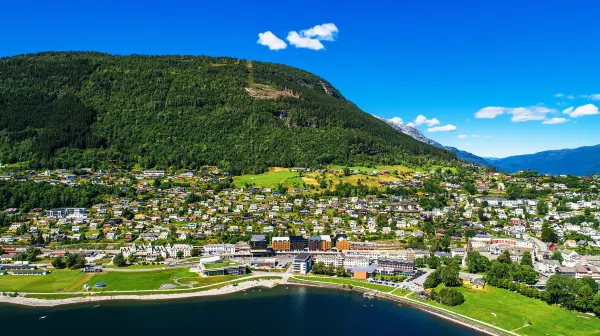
99,110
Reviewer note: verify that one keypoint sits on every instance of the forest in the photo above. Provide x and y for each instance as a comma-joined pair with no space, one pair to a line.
96,110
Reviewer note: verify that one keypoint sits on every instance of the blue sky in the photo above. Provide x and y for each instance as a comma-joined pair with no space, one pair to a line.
445,60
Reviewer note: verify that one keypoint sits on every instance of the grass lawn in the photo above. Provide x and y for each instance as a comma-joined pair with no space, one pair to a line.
137,266
221,264
185,290
57,281
513,310
271,179
346,281
116,281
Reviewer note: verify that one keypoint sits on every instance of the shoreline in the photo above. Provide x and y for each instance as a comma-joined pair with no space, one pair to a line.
230,289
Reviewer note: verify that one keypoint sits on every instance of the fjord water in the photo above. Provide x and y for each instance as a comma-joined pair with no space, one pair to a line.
292,311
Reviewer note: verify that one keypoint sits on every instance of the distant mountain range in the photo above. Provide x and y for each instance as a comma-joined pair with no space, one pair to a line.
578,161
416,134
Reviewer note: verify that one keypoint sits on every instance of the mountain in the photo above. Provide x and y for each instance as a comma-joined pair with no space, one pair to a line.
90,109
416,134
578,161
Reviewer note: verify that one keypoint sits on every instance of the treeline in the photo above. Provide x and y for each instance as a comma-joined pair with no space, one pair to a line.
29,195
97,110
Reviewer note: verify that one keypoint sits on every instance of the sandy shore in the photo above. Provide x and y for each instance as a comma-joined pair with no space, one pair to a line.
33,302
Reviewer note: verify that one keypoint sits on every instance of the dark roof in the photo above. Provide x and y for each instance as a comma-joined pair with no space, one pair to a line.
302,256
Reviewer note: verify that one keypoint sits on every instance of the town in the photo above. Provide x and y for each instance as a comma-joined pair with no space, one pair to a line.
389,228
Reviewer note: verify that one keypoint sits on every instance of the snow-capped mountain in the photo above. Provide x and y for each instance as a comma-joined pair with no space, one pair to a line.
416,134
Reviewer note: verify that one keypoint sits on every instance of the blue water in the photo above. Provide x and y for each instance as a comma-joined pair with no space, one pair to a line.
301,311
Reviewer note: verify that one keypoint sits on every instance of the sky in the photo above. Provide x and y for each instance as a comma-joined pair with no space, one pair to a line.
496,78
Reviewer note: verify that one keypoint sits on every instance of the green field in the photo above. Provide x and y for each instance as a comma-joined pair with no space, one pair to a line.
57,281
510,310
346,281
208,286
270,179
118,281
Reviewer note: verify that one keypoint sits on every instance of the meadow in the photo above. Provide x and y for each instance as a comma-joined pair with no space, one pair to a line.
511,311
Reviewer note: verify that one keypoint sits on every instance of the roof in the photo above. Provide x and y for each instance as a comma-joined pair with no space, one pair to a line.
302,256
368,269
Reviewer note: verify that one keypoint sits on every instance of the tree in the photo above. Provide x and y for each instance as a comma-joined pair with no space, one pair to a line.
477,263
340,271
450,297
119,260
449,276
319,268
195,252
556,255
74,261
589,282
433,279
504,258
585,297
58,263
542,208
526,259
433,261
548,234
128,214
525,273
179,254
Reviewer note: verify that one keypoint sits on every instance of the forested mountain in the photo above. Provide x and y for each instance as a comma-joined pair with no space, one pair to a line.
578,161
93,109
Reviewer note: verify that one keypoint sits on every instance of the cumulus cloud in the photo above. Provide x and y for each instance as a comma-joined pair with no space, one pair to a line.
311,38
446,128
595,96
489,112
519,114
298,41
463,136
559,95
396,120
422,120
522,114
270,40
325,32
411,124
584,110
555,121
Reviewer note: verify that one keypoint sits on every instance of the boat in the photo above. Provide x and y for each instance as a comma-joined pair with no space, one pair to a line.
43,317
96,306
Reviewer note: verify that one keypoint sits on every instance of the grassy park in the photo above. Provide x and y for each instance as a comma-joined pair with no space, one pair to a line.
57,281
511,311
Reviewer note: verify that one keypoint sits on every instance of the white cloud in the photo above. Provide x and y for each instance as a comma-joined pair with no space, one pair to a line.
304,42
480,136
463,136
555,121
270,40
595,96
446,128
411,124
396,121
325,32
559,95
489,112
421,119
584,110
570,97
519,114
